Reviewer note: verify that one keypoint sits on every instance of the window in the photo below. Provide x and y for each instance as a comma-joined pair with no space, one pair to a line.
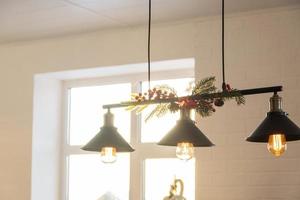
145,174
86,111
89,178
168,168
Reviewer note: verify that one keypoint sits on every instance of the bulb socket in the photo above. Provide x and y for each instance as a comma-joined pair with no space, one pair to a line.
275,103
108,119
185,113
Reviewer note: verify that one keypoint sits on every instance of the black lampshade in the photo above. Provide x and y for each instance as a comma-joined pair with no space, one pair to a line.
276,122
185,130
108,137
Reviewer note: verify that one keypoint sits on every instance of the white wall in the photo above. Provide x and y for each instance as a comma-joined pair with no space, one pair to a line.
262,49
46,139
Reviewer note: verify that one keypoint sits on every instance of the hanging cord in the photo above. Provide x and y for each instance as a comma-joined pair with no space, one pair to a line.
149,41
223,56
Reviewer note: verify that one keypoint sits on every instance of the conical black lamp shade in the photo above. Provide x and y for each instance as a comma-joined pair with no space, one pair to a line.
108,137
276,122
185,130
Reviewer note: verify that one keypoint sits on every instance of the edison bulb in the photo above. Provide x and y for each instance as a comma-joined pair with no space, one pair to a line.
108,154
185,150
277,144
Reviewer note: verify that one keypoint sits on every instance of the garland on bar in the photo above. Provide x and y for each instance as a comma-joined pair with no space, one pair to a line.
211,97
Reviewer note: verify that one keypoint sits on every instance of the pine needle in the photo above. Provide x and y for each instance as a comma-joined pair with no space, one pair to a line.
140,109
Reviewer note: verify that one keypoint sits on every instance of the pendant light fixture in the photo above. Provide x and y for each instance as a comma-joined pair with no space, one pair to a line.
185,135
276,129
108,141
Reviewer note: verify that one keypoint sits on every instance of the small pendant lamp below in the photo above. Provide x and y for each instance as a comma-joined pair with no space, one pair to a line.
108,141
276,129
185,135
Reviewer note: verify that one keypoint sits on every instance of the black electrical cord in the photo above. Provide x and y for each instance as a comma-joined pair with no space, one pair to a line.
149,41
223,48
223,56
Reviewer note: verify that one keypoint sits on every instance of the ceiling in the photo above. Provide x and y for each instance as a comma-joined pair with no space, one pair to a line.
34,19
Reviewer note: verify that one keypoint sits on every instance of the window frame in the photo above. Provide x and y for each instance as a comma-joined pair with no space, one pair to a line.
143,150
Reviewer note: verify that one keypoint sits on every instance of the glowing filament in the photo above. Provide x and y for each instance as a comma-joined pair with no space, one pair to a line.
185,150
277,144
108,154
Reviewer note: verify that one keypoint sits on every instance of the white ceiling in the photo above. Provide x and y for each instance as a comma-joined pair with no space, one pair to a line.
32,19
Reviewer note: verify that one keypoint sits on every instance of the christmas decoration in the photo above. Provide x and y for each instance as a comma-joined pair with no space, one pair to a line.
204,106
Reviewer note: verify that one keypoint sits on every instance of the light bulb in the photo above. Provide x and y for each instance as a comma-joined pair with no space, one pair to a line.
108,154
185,150
277,144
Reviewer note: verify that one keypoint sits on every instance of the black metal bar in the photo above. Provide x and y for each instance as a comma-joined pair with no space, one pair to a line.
252,91
261,90
132,103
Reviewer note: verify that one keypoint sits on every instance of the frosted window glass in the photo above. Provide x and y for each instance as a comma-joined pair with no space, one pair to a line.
160,173
154,129
86,113
90,179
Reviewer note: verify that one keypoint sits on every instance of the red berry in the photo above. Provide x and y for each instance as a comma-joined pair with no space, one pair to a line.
228,87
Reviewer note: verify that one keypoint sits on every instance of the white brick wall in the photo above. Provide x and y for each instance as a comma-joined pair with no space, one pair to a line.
261,50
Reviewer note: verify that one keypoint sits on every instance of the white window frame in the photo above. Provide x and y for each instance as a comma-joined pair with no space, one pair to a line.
143,150
50,124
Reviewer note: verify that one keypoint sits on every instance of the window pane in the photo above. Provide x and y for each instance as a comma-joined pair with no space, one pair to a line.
153,130
90,179
160,173
86,113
